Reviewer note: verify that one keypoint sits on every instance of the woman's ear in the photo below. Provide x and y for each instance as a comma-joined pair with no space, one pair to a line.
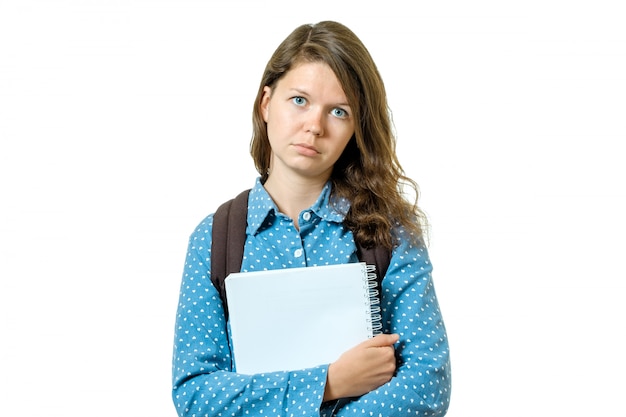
265,102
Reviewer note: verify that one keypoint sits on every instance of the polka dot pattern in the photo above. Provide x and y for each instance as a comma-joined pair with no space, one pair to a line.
205,382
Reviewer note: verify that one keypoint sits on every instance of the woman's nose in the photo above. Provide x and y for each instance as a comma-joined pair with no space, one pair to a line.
315,123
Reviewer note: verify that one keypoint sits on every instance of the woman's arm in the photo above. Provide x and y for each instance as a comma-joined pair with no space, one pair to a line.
203,381
421,384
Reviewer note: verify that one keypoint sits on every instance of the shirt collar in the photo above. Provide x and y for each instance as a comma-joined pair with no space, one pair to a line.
261,207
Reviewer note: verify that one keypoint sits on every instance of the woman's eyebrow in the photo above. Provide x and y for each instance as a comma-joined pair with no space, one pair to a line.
301,91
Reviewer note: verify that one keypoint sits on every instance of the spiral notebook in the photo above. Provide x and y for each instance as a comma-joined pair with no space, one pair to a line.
296,318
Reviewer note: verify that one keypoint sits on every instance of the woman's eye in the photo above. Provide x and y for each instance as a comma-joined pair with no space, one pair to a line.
341,113
299,101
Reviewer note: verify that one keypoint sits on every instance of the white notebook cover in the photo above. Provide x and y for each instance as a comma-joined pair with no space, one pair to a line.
296,318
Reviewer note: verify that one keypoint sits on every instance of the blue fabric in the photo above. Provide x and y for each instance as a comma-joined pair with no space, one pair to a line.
203,381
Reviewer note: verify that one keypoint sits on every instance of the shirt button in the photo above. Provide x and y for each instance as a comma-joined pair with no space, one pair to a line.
306,215
297,253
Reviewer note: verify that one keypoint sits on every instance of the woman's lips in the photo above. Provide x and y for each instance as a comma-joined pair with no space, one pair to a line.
306,150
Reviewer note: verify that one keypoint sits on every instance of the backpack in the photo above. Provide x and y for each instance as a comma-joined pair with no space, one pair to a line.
229,237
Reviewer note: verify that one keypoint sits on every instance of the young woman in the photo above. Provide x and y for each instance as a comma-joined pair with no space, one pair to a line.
329,177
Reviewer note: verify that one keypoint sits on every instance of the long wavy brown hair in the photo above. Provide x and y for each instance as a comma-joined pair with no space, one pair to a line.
368,173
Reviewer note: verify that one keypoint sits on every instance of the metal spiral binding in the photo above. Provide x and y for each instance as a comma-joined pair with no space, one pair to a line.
374,302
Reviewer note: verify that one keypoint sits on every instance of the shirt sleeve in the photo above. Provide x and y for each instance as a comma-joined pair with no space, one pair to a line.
421,385
202,377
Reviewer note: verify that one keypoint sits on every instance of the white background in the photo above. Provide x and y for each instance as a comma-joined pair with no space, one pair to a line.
124,123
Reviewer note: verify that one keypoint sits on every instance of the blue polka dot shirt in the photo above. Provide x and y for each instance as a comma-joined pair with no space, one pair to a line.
204,383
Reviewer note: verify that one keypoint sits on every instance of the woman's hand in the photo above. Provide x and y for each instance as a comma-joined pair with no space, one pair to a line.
363,368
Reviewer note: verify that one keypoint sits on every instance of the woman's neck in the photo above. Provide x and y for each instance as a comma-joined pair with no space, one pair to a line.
292,195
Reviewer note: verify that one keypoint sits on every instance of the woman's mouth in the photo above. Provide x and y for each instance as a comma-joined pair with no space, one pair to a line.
306,150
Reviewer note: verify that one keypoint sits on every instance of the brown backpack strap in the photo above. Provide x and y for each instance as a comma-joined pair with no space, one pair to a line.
228,239
378,256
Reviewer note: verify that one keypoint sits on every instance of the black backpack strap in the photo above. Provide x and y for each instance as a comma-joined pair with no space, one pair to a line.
228,239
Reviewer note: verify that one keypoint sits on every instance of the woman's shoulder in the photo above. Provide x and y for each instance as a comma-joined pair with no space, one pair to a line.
204,228
408,244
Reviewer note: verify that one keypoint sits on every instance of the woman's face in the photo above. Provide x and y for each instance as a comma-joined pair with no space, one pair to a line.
309,121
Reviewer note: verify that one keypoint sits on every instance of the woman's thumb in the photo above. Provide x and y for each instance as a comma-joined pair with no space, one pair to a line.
384,339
